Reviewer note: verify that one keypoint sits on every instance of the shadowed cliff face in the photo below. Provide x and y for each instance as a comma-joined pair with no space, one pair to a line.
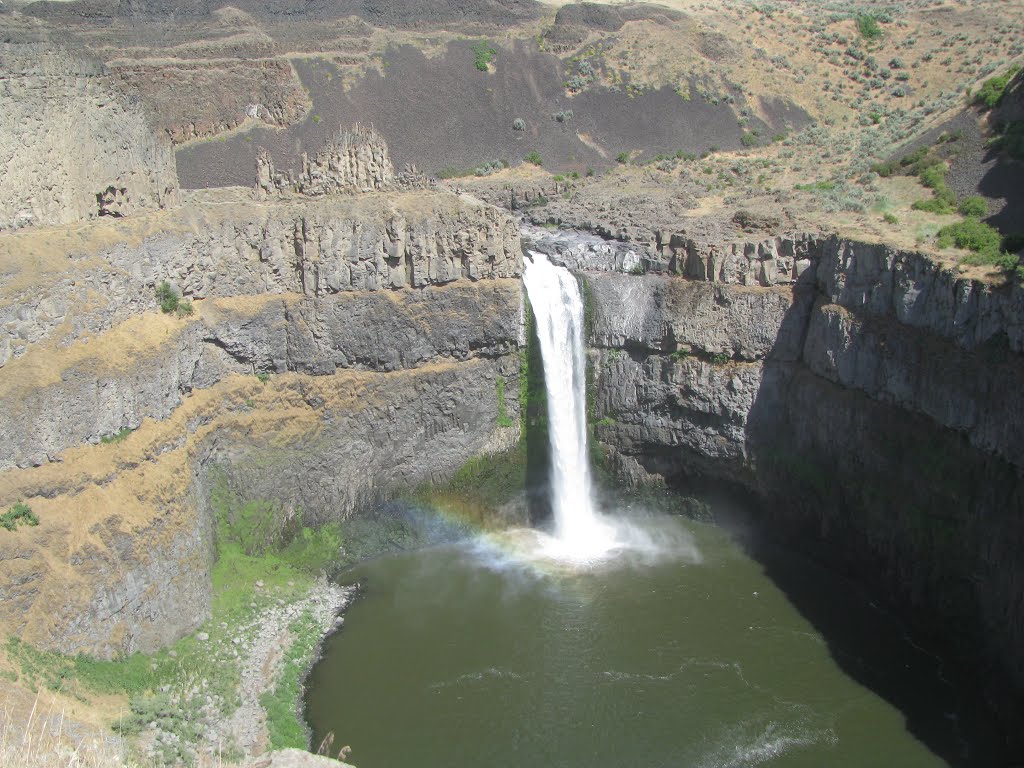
873,405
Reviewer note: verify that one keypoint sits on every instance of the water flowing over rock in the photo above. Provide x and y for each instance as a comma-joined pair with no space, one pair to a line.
558,307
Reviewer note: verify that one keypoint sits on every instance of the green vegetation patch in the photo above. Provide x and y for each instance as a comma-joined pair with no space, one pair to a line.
503,417
483,55
489,481
943,198
972,235
266,531
281,703
19,514
973,205
117,437
533,158
171,302
985,243
992,90
1009,140
868,26
179,688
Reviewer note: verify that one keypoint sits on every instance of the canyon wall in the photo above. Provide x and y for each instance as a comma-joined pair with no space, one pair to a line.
869,397
335,351
72,146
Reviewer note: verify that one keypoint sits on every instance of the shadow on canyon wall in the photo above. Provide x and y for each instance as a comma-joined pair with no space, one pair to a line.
917,534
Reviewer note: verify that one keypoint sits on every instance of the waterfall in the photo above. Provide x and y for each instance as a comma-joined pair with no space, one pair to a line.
558,308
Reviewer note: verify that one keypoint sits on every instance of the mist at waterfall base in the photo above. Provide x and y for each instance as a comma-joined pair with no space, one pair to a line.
580,534
632,637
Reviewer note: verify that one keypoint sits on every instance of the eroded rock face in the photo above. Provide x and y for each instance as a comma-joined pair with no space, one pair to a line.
355,160
312,248
379,327
874,404
71,145
196,100
359,331
121,559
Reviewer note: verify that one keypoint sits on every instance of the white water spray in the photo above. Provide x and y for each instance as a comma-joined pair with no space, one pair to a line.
558,308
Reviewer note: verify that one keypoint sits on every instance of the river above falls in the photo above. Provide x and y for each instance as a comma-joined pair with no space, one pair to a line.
476,653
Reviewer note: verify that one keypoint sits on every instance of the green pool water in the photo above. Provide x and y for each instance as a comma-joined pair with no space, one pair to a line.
685,652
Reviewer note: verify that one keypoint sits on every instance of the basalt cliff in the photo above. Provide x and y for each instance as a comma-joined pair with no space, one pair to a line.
341,334
322,347
868,397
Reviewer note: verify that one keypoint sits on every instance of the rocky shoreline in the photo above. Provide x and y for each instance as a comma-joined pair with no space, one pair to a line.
264,645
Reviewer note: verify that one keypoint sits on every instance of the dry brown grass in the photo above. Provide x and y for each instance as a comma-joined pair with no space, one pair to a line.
47,739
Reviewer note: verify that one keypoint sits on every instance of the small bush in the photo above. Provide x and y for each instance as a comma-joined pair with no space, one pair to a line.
519,124
934,176
992,90
563,116
622,157
971,235
19,514
867,26
483,55
168,297
974,205
171,302
748,139
533,158
576,83
890,219
886,169
932,205
488,168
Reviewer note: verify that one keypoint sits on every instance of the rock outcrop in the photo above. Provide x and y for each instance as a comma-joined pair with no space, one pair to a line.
873,403
337,350
71,145
355,160
236,248
120,561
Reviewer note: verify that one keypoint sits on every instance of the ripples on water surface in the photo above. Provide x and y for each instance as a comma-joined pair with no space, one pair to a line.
674,650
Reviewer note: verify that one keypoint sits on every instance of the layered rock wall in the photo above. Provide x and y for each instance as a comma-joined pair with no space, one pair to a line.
873,402
71,145
367,243
62,399
336,352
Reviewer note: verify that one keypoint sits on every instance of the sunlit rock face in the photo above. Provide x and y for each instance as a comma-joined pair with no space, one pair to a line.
73,147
